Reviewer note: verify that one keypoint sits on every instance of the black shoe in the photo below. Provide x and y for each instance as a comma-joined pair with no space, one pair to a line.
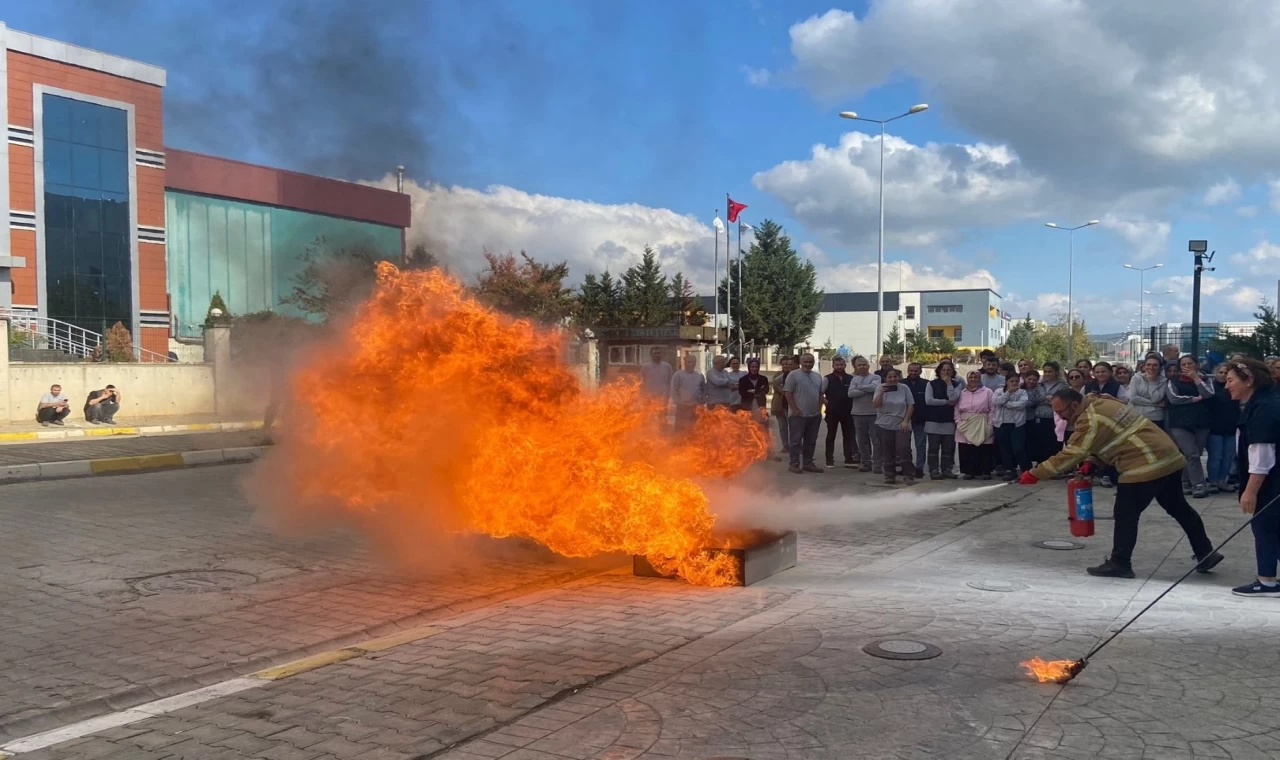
1210,562
935,475
811,467
830,465
919,473
59,423
1109,569
795,468
94,422
986,477
851,465
1256,589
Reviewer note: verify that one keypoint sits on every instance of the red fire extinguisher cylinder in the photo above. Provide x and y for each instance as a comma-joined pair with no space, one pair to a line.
1080,507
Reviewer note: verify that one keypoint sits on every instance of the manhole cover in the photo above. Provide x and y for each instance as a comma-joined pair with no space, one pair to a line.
1062,546
997,585
902,649
193,582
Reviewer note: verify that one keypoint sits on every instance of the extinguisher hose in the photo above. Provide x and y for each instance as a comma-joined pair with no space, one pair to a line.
1186,575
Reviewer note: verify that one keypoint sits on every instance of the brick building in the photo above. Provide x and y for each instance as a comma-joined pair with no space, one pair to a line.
106,224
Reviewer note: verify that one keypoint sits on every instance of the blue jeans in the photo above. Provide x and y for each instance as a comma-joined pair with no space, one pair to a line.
1222,449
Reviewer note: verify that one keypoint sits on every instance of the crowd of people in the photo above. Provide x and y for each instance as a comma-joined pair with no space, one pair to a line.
1143,431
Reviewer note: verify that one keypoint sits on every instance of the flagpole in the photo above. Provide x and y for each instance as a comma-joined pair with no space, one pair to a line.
715,279
740,301
728,275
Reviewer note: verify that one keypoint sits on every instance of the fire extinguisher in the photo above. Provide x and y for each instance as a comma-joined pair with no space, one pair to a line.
1080,506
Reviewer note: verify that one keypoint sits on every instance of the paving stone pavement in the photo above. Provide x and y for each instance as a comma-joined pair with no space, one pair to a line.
105,448
77,628
611,666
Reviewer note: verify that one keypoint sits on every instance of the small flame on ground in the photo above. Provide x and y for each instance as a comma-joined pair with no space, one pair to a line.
1050,671
433,415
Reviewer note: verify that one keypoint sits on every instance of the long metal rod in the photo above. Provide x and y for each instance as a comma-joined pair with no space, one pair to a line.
741,303
1186,575
715,279
880,266
1071,276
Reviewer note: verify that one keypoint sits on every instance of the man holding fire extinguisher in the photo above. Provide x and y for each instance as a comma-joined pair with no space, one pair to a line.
1150,467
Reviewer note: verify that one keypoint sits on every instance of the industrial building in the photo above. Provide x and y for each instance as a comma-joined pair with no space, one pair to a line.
107,224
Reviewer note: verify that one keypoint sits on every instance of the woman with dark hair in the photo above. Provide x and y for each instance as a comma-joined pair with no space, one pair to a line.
1189,419
1010,421
940,397
1223,419
975,435
1102,383
1250,384
1086,368
1146,390
893,403
1046,443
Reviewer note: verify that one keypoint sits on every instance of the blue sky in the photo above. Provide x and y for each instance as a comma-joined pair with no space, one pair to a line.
583,131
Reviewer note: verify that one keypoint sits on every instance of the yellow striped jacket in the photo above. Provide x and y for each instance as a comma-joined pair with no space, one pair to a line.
1116,434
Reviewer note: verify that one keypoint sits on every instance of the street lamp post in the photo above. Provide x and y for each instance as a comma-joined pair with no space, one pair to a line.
1156,309
1142,273
880,267
1071,255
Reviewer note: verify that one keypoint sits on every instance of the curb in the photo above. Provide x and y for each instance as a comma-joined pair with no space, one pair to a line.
106,432
80,468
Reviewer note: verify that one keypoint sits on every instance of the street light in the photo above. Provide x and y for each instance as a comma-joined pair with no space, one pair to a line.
1071,254
1156,305
853,116
1142,273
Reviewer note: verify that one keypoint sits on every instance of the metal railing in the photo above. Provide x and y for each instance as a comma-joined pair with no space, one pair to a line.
42,333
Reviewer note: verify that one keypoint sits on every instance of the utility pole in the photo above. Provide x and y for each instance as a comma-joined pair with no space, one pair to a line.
1198,247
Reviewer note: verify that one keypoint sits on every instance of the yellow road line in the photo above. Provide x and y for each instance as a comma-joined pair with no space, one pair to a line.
128,464
18,437
100,431
335,656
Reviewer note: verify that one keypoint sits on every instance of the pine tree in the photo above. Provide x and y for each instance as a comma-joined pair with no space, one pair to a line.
525,287
646,296
893,345
919,345
686,307
1021,337
610,301
780,296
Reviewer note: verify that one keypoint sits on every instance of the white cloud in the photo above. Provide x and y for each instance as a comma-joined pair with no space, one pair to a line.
1222,192
1263,259
1149,238
758,77
1100,95
1247,212
1246,299
459,223
862,277
930,190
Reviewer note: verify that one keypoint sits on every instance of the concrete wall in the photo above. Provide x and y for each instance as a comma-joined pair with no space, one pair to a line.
149,390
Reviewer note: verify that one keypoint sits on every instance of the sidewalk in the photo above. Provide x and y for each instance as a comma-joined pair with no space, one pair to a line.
99,455
78,428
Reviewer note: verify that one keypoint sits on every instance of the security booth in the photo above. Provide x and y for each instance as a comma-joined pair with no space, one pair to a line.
624,349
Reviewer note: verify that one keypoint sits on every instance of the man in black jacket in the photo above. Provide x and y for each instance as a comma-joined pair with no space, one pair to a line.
917,385
840,414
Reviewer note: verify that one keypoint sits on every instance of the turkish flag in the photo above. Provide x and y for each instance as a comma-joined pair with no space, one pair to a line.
735,208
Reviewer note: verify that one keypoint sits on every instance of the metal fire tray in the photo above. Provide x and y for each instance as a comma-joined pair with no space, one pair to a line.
770,555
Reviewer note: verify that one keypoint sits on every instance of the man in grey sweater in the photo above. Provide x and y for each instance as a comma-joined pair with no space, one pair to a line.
722,386
862,391
804,389
688,392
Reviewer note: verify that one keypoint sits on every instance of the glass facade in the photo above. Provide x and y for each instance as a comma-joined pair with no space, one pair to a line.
88,267
249,252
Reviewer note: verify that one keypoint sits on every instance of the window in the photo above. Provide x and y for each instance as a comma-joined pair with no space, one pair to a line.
624,354
935,332
911,312
946,309
959,333
88,263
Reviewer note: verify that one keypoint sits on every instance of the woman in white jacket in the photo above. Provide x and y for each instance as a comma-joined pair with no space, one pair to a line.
1147,389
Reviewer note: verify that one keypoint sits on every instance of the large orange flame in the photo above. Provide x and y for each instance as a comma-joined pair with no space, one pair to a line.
433,412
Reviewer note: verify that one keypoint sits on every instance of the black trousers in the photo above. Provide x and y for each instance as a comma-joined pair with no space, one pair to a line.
844,422
1133,498
52,414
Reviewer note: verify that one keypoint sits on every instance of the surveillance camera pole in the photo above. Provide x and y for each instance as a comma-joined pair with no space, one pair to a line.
1198,247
